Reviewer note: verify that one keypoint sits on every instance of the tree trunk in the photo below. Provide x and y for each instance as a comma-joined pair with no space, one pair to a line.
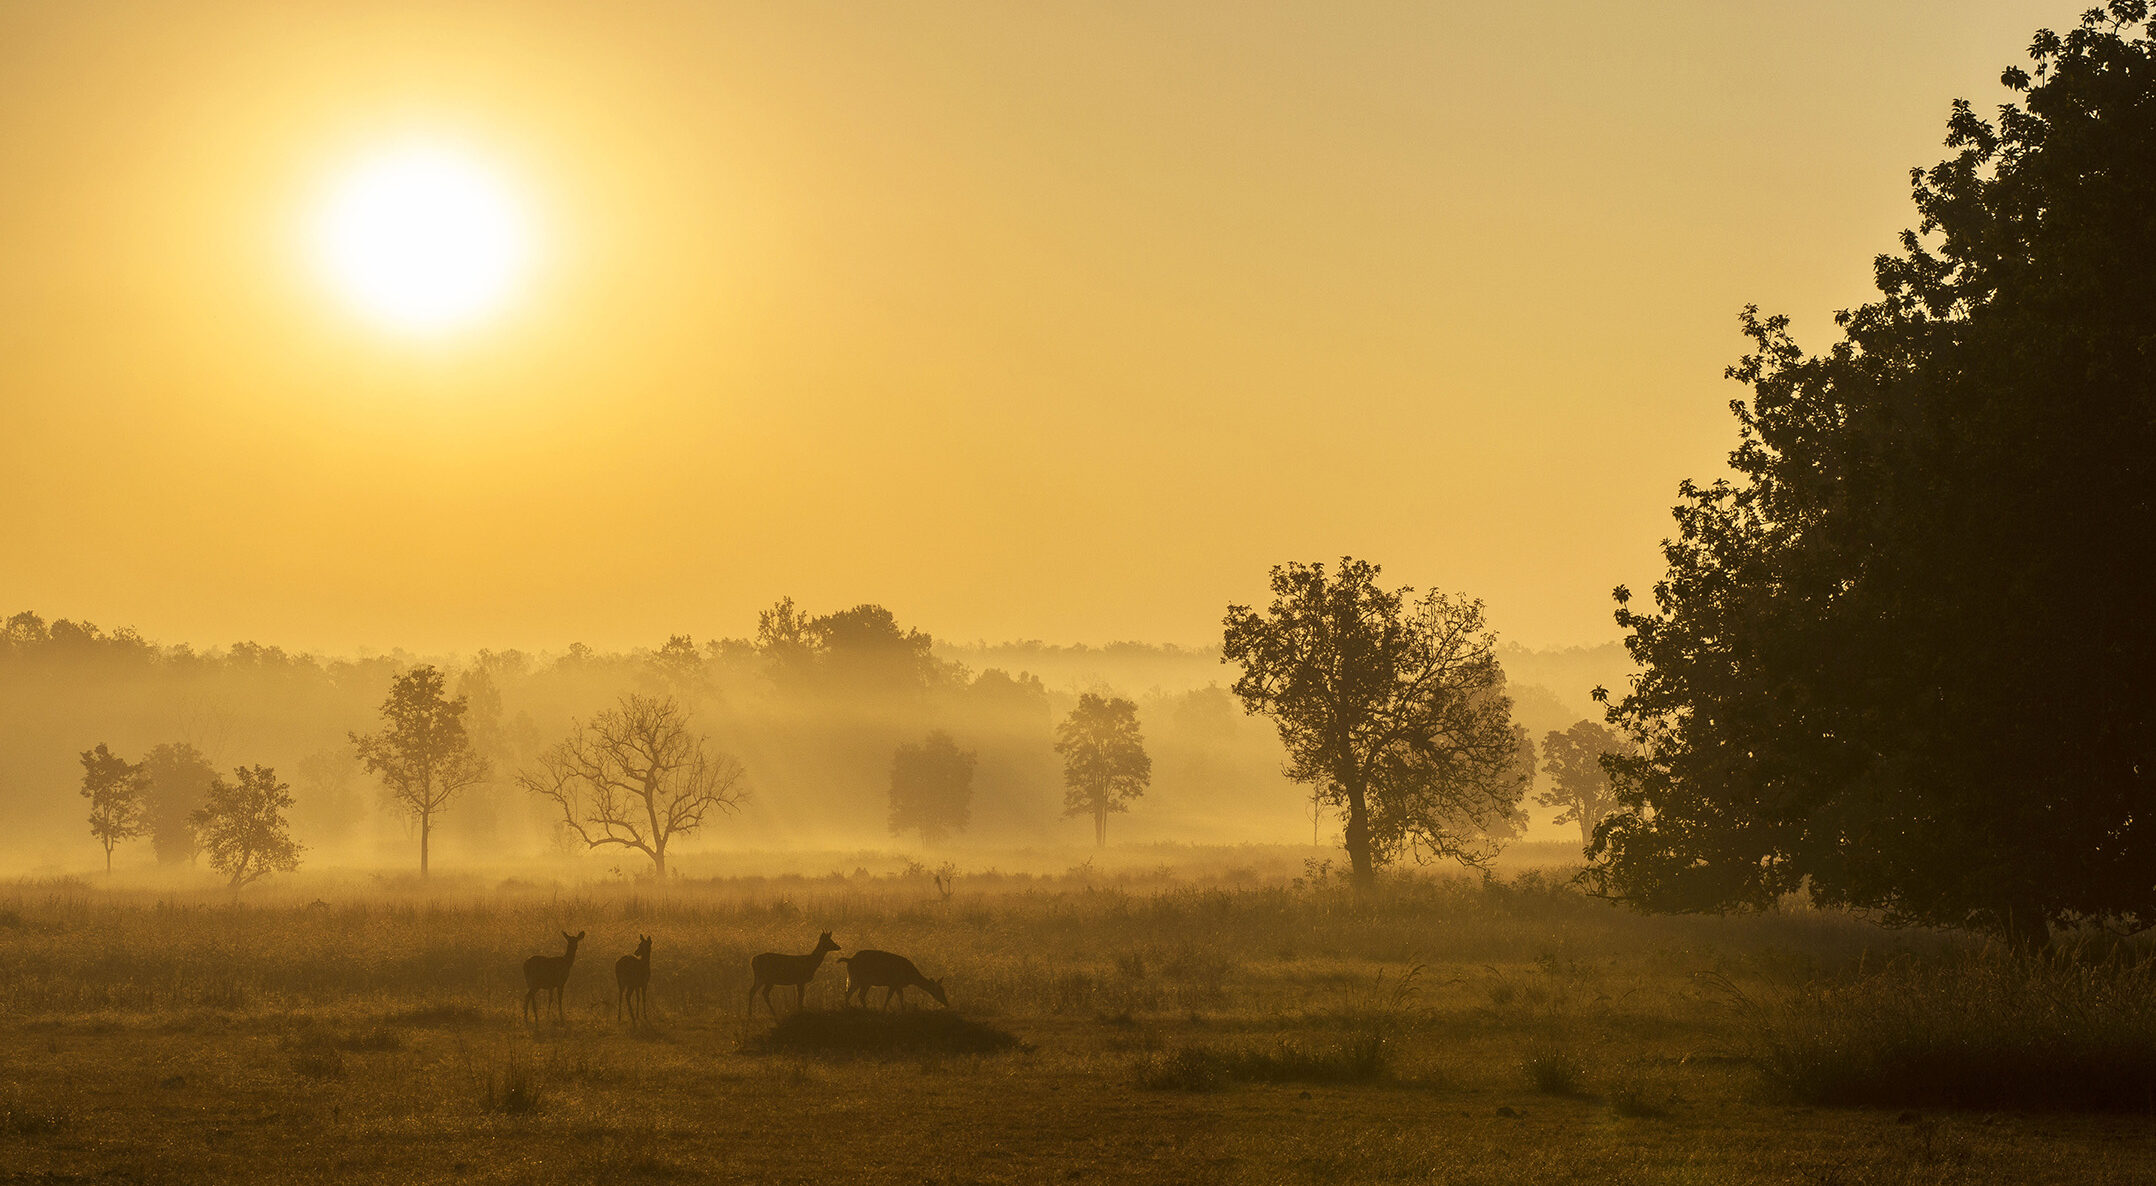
1357,839
1587,832
658,863
1100,829
108,860
425,825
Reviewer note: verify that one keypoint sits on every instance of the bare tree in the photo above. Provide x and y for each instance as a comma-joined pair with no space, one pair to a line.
636,776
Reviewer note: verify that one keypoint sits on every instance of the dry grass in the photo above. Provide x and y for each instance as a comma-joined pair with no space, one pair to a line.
1449,1029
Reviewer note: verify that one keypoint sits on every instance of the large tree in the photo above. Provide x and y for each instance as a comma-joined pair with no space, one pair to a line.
422,753
177,779
637,776
932,788
1105,765
241,826
1391,706
114,787
1579,783
1902,662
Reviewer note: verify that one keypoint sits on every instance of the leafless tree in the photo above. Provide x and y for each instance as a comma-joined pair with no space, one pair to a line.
637,776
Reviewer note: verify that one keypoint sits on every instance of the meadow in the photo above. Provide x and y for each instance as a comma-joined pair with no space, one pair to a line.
1222,1019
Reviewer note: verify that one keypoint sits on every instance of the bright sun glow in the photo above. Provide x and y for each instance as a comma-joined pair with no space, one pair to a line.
423,239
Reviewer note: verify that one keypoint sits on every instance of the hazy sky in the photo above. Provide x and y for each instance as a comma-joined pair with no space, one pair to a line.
1055,321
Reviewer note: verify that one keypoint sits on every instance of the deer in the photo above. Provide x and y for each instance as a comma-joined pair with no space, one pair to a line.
773,969
632,982
894,974
548,973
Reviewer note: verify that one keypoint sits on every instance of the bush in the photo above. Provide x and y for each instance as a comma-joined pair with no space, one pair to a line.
1363,1058
1986,1031
514,1090
869,1033
1554,1070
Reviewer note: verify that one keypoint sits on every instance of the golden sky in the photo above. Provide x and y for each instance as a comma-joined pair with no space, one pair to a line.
1055,321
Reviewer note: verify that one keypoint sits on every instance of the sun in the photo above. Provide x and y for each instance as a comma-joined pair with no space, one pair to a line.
423,239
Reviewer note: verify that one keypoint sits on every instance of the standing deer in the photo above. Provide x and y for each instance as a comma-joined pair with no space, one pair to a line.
548,973
632,982
894,974
773,969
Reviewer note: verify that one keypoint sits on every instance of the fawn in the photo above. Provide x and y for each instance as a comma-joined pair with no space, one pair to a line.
548,973
894,974
632,982
773,969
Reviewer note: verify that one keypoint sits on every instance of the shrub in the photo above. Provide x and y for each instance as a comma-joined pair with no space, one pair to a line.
1988,1031
1553,1069
869,1033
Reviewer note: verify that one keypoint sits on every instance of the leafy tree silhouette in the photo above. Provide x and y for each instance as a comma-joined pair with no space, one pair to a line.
242,826
1903,661
1105,765
1393,707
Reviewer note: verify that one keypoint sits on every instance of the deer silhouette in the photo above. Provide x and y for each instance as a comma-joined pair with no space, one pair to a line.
773,969
548,973
632,982
894,974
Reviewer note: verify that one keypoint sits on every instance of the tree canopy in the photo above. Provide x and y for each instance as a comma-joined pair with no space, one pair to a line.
114,787
1105,765
1391,706
932,788
422,753
242,827
1901,661
1579,783
177,778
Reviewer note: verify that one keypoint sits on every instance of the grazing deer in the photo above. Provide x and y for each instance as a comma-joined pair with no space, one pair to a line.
632,982
894,974
548,973
773,969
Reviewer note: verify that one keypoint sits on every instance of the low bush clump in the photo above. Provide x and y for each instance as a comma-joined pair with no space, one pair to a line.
870,1033
1985,1031
1554,1070
1363,1058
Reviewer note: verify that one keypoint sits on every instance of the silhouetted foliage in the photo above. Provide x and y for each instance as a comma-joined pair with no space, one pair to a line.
1393,709
177,779
423,756
1104,760
1903,662
637,777
242,827
1578,782
931,788
114,787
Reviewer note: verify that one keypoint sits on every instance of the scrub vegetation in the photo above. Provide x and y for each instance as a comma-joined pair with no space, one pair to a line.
1192,1019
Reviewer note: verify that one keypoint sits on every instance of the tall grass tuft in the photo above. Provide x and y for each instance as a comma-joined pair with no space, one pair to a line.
1989,1030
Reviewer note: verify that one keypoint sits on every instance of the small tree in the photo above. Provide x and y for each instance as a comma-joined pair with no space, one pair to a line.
1394,709
636,776
178,779
114,786
932,788
423,756
1105,765
1578,782
243,828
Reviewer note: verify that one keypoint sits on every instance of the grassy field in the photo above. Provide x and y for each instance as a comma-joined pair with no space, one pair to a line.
1148,1028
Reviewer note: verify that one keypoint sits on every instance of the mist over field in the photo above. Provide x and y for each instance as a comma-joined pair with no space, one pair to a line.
815,741
949,593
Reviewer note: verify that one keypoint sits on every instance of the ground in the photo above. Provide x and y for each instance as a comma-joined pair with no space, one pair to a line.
1171,1029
